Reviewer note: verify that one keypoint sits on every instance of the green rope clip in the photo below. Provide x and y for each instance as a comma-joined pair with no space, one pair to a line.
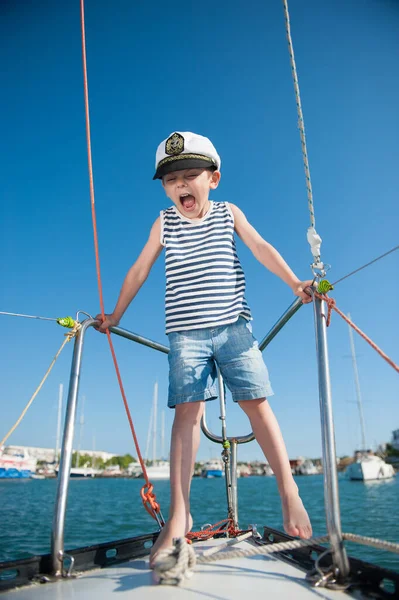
226,444
324,287
66,322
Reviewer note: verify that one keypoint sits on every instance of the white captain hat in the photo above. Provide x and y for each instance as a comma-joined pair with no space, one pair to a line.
185,150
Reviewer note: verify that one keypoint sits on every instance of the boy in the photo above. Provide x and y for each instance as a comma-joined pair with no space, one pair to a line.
208,321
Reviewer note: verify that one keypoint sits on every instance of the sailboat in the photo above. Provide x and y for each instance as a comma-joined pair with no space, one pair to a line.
213,468
367,466
160,469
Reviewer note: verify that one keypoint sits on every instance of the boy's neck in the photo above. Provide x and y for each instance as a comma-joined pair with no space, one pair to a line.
199,216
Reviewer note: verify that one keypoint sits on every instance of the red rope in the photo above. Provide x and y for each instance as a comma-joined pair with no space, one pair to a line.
332,306
148,497
227,525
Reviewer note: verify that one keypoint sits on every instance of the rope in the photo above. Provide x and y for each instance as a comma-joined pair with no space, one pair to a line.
226,525
312,236
148,497
68,337
369,541
301,123
231,542
176,563
332,306
263,550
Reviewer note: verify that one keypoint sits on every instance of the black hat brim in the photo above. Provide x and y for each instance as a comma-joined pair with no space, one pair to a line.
183,163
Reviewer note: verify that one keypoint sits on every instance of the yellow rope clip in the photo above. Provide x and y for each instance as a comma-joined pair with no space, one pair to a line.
324,287
66,322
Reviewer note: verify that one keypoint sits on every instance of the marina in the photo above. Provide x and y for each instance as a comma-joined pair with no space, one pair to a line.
104,509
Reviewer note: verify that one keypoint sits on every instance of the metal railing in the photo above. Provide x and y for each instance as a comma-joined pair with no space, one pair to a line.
340,560
58,529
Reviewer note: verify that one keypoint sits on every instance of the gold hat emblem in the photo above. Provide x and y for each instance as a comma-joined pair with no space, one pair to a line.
174,144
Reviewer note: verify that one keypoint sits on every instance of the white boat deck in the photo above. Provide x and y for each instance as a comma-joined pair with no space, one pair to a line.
234,579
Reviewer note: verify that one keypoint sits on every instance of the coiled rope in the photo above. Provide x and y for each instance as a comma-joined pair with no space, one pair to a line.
174,564
148,497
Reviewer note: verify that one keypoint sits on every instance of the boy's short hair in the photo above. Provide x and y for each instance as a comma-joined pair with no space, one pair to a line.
185,150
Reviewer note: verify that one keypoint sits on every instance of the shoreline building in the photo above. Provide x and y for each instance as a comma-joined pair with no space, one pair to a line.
48,454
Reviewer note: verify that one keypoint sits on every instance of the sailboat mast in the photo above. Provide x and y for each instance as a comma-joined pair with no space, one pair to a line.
163,434
81,423
57,439
357,386
154,422
149,430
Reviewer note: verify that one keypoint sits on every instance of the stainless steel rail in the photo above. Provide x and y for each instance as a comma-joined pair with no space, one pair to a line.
331,495
58,528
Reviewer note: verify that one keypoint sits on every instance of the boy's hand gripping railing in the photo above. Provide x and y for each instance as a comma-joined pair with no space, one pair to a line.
57,536
230,443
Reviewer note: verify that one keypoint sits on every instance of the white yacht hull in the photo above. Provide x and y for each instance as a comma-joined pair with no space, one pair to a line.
158,472
370,470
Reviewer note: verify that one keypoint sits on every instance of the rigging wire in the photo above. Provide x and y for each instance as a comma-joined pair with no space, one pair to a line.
26,316
366,265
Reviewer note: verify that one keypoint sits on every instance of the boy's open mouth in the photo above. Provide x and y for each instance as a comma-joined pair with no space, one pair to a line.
187,201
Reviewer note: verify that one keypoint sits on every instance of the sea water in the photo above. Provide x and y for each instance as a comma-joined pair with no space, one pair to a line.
102,510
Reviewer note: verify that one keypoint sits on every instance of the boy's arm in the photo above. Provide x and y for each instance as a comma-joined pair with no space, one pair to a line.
267,255
135,277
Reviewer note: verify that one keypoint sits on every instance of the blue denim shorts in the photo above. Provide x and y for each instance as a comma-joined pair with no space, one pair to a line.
192,368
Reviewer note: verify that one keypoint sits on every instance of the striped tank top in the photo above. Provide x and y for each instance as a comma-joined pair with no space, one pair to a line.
205,283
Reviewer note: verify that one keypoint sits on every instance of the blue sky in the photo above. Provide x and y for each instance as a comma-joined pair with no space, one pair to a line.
223,72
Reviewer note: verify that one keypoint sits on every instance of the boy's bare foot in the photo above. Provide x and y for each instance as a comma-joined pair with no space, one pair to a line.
173,528
296,519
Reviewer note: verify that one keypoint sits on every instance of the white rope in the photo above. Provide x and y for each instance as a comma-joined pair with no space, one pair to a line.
369,541
231,542
266,549
174,564
313,237
295,544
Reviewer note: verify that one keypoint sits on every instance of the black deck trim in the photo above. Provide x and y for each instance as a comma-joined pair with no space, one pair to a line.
38,568
364,577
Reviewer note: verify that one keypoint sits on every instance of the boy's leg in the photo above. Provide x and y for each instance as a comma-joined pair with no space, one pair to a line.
184,446
268,435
